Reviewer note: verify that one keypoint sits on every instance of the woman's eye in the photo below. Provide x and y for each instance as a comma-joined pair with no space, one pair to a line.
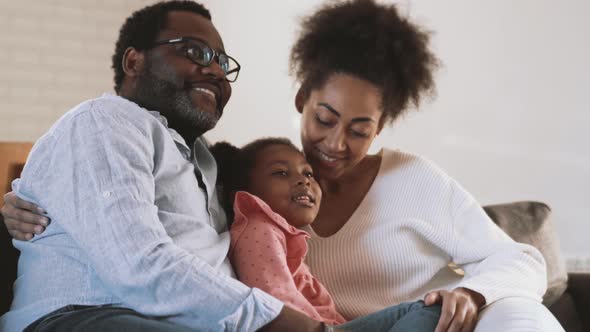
281,172
308,174
359,134
322,122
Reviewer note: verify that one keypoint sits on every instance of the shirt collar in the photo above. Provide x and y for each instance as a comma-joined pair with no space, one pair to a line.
175,135
246,203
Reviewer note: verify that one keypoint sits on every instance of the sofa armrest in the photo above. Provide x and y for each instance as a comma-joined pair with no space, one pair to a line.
579,288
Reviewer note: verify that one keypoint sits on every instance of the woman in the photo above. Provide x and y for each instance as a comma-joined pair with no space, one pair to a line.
390,223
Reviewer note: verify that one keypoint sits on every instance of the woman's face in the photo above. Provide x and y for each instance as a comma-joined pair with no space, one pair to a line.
338,124
284,180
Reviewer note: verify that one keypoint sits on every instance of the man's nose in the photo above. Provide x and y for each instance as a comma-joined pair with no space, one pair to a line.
214,69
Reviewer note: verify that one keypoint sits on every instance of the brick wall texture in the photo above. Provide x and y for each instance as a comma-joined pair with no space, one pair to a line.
53,55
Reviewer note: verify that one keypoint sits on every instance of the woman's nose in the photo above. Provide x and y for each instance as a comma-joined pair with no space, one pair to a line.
335,141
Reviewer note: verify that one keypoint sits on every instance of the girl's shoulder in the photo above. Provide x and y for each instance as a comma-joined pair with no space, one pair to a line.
251,211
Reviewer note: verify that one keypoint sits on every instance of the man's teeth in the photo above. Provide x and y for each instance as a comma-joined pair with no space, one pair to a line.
325,157
207,91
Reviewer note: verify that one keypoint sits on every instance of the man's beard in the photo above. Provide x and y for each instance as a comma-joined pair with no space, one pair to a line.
172,100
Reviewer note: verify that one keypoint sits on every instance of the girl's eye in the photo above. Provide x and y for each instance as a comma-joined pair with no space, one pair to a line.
308,174
281,172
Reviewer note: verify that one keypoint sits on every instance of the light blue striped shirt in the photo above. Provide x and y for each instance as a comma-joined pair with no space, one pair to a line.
130,225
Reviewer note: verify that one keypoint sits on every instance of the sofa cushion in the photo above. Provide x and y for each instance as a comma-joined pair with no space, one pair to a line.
8,261
529,222
566,312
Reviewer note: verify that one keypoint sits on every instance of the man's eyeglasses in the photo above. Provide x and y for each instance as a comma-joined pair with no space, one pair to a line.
200,53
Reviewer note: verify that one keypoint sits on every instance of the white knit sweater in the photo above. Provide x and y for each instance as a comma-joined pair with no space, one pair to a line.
412,223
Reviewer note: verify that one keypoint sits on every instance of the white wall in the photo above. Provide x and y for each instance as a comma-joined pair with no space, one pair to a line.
510,120
53,54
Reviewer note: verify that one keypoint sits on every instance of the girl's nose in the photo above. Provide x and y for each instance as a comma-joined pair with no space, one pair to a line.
303,180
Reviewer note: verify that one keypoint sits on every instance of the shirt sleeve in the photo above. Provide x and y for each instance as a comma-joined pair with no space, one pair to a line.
259,258
495,265
94,174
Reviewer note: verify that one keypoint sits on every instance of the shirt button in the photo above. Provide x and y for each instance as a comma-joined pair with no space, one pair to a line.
106,194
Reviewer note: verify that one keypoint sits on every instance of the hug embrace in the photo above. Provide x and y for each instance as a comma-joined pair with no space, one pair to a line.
146,227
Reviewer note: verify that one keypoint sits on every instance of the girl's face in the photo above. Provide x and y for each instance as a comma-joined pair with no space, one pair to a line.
338,124
284,180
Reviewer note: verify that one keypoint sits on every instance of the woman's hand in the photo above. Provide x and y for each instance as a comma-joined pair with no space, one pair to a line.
460,308
23,219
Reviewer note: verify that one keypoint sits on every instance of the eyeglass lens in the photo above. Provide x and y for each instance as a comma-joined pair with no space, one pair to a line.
203,55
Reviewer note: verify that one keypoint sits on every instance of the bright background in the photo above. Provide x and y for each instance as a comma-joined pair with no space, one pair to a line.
511,120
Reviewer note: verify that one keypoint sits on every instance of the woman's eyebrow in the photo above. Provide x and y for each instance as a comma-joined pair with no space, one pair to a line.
336,113
329,108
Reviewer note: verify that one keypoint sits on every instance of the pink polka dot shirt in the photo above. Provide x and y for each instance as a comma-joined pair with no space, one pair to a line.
267,253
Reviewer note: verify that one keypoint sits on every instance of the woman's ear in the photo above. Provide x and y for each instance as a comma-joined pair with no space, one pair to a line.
133,62
299,100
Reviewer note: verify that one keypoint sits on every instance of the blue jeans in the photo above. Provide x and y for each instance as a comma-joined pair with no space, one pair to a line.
413,316
409,316
78,318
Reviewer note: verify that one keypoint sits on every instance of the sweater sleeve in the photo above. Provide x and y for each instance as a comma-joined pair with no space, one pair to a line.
495,266
259,258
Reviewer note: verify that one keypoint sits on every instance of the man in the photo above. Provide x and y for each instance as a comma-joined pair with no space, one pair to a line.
138,240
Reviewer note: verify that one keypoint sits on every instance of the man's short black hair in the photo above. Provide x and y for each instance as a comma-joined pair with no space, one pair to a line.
141,28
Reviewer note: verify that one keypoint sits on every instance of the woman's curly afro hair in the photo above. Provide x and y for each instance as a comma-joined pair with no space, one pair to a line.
369,41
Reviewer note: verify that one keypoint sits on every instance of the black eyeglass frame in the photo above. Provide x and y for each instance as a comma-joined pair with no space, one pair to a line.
215,56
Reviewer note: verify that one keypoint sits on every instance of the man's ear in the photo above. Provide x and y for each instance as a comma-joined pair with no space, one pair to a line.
299,100
133,62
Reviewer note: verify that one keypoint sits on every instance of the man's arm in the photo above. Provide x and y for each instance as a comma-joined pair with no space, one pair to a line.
95,178
22,219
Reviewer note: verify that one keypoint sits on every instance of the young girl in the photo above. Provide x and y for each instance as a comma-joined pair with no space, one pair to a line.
273,193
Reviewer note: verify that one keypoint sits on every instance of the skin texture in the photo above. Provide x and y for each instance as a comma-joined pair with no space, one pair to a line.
164,79
339,121
280,175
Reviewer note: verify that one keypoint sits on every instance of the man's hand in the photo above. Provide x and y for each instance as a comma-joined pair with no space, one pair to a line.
460,308
290,320
22,219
